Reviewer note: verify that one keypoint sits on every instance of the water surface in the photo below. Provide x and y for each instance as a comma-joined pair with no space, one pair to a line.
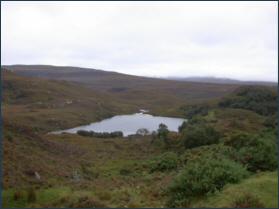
129,124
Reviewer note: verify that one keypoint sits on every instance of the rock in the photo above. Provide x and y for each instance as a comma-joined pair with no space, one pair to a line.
37,175
75,176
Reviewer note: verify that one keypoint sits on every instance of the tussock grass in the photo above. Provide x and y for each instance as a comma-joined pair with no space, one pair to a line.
31,194
17,193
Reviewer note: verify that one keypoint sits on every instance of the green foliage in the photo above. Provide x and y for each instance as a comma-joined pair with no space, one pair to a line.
247,200
31,194
237,140
143,131
260,100
182,126
264,151
199,135
204,177
196,120
190,111
165,162
163,132
100,135
270,121
85,133
259,151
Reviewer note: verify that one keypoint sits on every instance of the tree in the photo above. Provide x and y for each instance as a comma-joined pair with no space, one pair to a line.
147,139
163,132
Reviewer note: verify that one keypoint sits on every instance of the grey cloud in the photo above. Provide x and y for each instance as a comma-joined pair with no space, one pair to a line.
233,39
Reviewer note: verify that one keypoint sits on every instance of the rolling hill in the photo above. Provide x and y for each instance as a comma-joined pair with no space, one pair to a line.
48,104
116,172
222,80
116,82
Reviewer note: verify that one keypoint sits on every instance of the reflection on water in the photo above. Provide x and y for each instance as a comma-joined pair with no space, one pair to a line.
129,124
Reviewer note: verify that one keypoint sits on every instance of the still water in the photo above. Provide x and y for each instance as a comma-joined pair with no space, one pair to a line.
129,124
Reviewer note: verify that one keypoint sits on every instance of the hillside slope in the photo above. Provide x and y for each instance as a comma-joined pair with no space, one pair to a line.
116,82
48,104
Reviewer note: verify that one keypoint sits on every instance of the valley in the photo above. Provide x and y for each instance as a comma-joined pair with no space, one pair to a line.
230,126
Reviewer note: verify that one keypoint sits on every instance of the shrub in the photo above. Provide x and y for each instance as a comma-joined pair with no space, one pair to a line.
204,112
85,133
264,151
199,135
166,162
260,100
269,122
259,151
191,110
237,140
100,135
31,194
206,176
182,126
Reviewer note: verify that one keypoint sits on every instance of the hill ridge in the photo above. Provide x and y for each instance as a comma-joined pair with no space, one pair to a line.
108,81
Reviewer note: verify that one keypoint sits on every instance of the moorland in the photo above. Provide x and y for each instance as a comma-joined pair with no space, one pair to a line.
225,155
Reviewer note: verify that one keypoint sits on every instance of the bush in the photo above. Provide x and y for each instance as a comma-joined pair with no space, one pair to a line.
85,133
166,162
182,126
206,176
259,151
190,111
204,112
199,135
100,135
264,151
270,122
260,100
238,140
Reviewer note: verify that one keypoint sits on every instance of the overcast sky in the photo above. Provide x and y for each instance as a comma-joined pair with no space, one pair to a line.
232,39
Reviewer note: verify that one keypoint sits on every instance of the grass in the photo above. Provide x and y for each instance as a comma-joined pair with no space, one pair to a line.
108,81
107,157
44,196
26,149
48,104
263,185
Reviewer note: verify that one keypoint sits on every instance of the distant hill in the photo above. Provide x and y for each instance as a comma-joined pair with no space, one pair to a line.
222,80
116,82
49,104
